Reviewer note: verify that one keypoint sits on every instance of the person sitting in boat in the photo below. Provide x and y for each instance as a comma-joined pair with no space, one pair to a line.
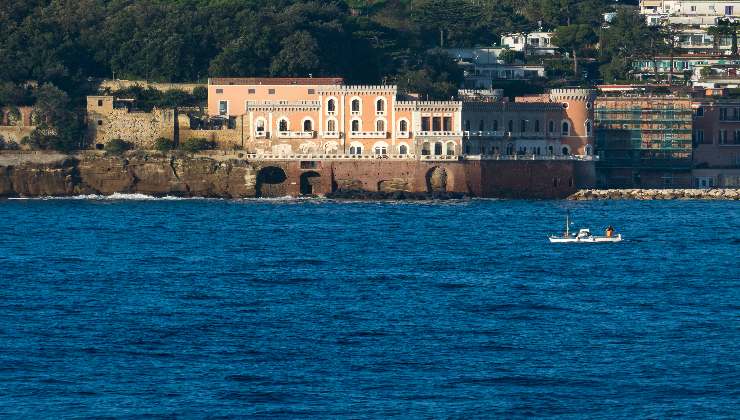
609,231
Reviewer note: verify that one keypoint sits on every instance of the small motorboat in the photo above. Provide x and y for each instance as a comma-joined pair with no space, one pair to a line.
584,235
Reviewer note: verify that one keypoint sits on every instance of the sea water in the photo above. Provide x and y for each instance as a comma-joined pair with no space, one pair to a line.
129,306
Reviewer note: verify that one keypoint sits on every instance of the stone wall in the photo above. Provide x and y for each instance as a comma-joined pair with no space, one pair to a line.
225,176
123,84
139,128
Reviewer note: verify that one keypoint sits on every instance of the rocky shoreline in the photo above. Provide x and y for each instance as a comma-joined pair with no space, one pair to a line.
658,194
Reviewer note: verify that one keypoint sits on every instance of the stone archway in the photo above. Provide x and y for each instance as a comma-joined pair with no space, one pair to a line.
310,182
271,182
438,180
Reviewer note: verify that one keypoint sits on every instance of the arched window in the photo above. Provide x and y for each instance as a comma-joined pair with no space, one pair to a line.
438,148
380,125
331,105
355,149
331,125
283,125
260,126
425,149
588,127
380,148
566,128
403,149
403,126
589,150
355,126
355,105
307,125
566,150
509,149
450,149
380,105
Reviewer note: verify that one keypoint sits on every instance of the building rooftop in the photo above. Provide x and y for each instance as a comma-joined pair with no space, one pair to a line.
274,81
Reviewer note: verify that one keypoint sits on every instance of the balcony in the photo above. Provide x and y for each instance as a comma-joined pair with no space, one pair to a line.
439,133
484,133
296,134
403,134
331,134
369,134
261,135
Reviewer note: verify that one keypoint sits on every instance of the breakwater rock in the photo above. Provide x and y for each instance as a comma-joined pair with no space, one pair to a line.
658,194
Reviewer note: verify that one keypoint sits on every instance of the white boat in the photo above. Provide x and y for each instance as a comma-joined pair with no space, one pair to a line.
584,235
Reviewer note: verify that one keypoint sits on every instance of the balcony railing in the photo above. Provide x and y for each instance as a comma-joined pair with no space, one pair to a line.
439,133
296,134
332,134
484,133
403,134
369,134
261,135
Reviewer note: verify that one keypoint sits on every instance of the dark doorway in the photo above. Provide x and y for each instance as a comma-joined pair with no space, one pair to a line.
270,182
437,180
310,182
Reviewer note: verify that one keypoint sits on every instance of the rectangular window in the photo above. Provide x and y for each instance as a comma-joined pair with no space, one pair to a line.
100,122
251,91
447,124
219,91
723,114
436,124
223,107
698,136
100,102
699,112
737,137
722,137
523,126
728,10
693,8
270,91
425,123
536,126
311,91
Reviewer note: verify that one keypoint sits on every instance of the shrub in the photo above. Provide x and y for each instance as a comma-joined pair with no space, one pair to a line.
117,146
8,144
163,144
197,144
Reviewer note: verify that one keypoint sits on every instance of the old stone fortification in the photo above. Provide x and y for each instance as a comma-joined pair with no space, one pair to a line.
119,84
658,194
235,175
16,123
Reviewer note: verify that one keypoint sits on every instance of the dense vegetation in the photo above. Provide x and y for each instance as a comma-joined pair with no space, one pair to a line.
68,43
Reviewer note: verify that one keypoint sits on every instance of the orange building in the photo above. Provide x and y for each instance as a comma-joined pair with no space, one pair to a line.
323,116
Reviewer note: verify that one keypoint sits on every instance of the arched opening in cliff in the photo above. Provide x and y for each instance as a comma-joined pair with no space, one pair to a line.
271,182
438,180
310,182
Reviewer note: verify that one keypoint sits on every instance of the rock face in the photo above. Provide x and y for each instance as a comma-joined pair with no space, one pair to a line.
140,173
658,194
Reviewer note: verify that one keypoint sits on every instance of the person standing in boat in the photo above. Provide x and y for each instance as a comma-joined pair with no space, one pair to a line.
609,231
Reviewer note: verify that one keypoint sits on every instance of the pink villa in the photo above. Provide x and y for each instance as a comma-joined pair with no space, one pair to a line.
324,117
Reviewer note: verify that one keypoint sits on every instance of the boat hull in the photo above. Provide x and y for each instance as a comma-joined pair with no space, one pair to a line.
589,240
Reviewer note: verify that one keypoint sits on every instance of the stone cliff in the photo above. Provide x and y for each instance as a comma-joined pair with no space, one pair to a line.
153,174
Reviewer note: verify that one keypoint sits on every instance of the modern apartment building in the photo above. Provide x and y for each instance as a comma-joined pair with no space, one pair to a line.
643,140
701,13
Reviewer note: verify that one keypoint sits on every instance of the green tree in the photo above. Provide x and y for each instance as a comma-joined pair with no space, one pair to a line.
58,125
299,56
626,39
574,39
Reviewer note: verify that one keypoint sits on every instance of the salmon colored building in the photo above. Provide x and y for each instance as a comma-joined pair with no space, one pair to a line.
323,116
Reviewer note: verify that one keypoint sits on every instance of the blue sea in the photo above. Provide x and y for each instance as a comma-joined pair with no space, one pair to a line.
135,307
